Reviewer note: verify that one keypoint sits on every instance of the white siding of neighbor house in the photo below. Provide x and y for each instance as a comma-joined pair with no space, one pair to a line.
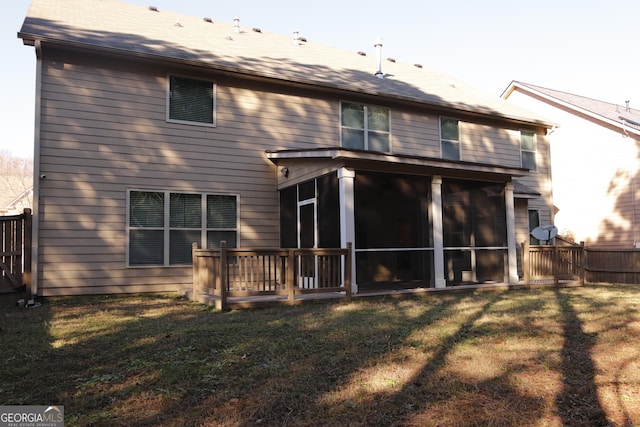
595,172
104,131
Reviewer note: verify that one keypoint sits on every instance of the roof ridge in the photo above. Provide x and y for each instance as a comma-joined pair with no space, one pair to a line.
546,89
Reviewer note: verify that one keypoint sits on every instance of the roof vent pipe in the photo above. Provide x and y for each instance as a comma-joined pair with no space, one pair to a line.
236,25
627,108
378,45
296,37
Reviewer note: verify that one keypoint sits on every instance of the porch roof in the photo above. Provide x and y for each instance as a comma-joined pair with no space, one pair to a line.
396,163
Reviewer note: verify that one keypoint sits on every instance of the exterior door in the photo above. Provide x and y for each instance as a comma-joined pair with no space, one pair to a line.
307,238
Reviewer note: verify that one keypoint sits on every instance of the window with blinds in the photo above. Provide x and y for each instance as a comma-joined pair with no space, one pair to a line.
163,225
191,101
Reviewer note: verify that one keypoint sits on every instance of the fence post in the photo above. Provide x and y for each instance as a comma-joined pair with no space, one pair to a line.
291,262
221,303
525,261
347,269
26,256
583,262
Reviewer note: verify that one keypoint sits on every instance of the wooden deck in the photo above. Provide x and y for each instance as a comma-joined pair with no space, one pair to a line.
257,301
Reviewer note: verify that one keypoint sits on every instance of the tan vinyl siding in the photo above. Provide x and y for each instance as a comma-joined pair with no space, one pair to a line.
104,131
415,134
482,143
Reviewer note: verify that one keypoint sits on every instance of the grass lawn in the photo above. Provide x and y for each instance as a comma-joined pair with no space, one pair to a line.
537,357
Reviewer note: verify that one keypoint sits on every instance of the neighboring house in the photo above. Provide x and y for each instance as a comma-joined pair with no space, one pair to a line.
155,130
595,164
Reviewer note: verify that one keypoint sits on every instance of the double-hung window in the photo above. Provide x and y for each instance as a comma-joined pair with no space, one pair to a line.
365,127
528,150
191,101
163,225
450,138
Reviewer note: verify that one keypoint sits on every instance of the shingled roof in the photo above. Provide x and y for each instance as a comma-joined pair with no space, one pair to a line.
117,27
623,117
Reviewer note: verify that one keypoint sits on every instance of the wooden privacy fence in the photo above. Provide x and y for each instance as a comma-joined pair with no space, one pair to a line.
579,263
15,252
612,266
230,272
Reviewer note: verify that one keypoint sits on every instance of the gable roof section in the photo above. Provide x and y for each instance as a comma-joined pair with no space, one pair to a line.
117,27
627,120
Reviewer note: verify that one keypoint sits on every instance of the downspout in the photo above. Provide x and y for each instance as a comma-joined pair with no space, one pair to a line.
36,173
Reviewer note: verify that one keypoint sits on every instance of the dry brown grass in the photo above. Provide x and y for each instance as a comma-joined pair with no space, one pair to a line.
550,357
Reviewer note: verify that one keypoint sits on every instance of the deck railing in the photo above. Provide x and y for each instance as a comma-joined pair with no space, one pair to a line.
231,272
543,262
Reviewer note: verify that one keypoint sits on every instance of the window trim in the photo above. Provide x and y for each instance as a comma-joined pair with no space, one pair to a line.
214,87
366,128
534,151
166,227
457,142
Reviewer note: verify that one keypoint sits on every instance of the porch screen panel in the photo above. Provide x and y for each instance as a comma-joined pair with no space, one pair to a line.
392,211
307,226
288,217
328,211
474,214
393,240
475,231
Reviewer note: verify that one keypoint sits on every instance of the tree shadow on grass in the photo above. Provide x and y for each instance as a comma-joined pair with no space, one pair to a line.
158,362
578,403
447,398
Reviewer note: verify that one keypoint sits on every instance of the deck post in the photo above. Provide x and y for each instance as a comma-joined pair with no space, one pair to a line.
196,276
525,262
438,237
556,264
221,302
511,233
291,262
583,262
347,269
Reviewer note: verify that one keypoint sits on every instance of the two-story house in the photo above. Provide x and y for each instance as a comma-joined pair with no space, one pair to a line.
595,164
155,130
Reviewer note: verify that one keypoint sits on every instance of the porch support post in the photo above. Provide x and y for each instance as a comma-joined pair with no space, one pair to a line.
347,218
512,253
438,235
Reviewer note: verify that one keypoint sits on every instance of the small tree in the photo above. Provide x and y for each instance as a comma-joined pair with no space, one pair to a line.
16,179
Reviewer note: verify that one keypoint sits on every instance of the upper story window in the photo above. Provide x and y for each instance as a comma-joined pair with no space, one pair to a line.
450,138
162,225
365,127
191,101
528,150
